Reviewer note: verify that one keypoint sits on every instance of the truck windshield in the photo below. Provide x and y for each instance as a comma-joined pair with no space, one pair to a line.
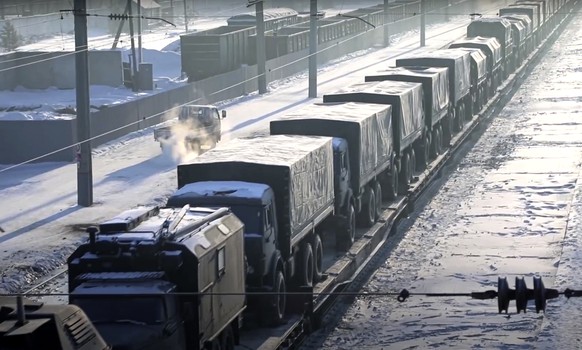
250,216
147,310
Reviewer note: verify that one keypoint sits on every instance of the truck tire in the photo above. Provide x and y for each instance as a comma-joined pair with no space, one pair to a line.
347,236
317,258
278,302
306,269
412,164
404,175
367,216
436,143
424,154
391,184
378,193
227,339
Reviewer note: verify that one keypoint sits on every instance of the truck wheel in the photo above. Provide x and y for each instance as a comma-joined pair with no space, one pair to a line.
347,236
391,184
306,276
437,142
412,164
424,154
317,258
227,339
378,190
404,175
367,216
278,300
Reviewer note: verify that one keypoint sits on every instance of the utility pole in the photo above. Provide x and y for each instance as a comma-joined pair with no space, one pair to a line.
386,28
139,30
313,49
186,15
84,161
422,23
133,58
261,54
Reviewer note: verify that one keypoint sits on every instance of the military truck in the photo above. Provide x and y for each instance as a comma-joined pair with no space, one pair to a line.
157,278
479,77
282,188
198,127
532,13
31,325
499,28
363,155
408,132
526,38
435,85
491,47
459,66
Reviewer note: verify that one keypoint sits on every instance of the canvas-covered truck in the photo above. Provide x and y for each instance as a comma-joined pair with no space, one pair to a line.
499,28
32,325
478,77
532,13
153,278
197,127
526,36
491,47
363,154
408,136
435,85
282,188
459,66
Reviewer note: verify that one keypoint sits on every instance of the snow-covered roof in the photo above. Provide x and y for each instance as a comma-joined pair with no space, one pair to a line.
234,189
341,111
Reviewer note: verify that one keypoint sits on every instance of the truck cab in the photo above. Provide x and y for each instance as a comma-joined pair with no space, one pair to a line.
198,126
151,278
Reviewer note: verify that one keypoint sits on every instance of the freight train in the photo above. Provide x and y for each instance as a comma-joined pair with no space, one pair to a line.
252,215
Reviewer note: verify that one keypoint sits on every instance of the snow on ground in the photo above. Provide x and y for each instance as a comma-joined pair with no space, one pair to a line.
39,212
510,207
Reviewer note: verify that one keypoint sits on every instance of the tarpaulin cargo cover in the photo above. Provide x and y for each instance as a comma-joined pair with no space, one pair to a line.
531,10
489,45
406,100
523,18
435,83
458,63
541,5
492,26
299,169
367,128
478,62
519,31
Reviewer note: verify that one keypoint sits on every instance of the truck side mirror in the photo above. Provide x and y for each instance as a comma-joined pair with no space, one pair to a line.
223,114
